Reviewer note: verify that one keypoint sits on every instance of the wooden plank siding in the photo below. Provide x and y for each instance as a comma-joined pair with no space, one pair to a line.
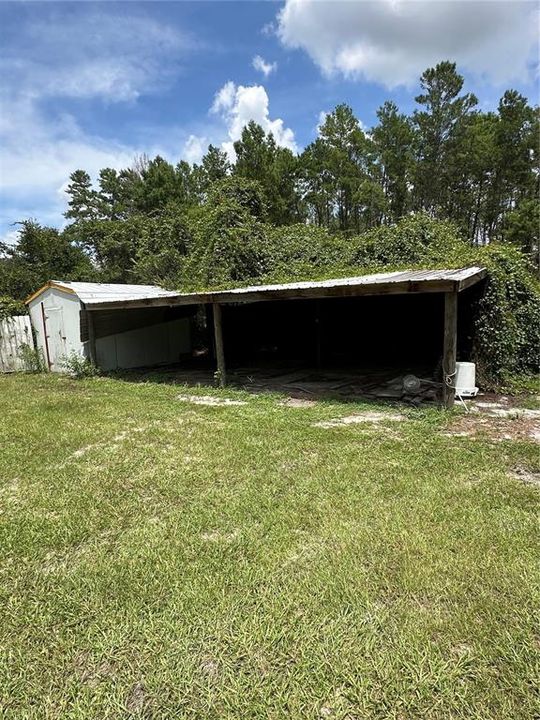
15,332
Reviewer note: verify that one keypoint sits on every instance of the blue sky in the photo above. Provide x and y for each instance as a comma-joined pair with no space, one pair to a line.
91,85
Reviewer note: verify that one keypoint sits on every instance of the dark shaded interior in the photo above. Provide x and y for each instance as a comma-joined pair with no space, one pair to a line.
401,331
346,347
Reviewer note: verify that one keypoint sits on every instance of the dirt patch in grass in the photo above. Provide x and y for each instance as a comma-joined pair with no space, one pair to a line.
210,668
88,672
526,475
359,418
113,442
298,402
209,400
137,699
505,410
497,429
215,536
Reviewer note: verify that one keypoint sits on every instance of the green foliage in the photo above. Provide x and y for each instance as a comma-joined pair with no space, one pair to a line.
478,169
41,254
259,158
521,227
33,359
161,249
438,125
394,142
214,166
508,315
229,240
243,194
112,244
415,241
10,307
78,366
161,184
83,199
301,252
339,173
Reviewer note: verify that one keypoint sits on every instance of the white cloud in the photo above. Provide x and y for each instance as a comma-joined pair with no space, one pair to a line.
393,41
237,105
112,56
321,120
194,148
88,54
39,154
261,65
10,237
268,29
224,98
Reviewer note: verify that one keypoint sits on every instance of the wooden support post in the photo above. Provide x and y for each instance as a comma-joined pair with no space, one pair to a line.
218,336
318,332
91,338
449,348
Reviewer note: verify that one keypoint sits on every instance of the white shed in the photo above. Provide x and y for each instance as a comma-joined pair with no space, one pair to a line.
113,338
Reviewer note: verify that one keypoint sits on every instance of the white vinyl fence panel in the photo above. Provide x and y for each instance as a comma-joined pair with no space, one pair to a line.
14,333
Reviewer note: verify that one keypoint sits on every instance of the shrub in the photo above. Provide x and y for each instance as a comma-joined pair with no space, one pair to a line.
507,337
301,252
78,366
162,246
415,241
33,359
230,243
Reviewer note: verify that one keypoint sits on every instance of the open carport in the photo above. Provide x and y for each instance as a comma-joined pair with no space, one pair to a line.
417,319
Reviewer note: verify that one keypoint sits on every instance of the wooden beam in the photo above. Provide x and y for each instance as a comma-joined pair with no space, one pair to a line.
50,284
218,337
318,335
449,348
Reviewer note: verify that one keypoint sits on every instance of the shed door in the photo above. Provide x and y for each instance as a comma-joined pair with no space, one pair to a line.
56,337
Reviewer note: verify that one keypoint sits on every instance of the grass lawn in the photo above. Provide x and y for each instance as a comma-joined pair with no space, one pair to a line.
162,559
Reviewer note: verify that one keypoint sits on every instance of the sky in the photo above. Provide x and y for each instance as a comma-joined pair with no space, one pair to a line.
92,85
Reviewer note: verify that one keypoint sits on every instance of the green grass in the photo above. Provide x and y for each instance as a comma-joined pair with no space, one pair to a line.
168,560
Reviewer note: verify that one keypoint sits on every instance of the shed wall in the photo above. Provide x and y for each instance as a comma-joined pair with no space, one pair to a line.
156,344
152,344
62,323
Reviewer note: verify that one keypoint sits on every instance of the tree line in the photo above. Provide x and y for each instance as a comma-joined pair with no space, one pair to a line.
207,223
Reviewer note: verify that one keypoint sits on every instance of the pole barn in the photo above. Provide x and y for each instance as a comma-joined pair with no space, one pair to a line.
405,319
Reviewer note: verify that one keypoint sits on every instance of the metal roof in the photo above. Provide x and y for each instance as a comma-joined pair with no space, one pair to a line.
98,296
401,276
95,293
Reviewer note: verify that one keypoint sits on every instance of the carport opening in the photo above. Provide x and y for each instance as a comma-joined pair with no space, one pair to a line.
374,329
353,345
401,332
